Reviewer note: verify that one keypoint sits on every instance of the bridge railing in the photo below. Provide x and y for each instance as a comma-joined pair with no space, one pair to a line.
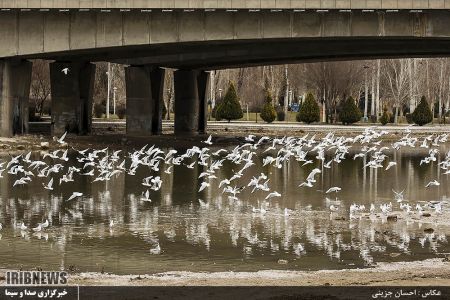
226,4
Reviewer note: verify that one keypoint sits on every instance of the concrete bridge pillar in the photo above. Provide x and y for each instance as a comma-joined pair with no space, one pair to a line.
203,83
190,102
15,81
72,86
144,91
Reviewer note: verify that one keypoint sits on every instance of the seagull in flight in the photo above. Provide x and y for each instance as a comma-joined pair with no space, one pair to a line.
65,71
203,186
75,195
333,190
208,141
250,138
433,183
398,195
272,195
61,139
390,165
146,196
49,186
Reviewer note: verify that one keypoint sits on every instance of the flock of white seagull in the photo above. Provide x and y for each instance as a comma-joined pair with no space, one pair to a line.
55,167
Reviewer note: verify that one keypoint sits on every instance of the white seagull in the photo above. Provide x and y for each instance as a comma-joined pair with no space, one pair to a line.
333,190
61,139
49,186
203,186
156,250
208,141
45,224
38,228
390,165
146,196
23,227
433,183
272,195
75,195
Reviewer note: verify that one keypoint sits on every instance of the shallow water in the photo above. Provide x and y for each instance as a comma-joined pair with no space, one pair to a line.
228,235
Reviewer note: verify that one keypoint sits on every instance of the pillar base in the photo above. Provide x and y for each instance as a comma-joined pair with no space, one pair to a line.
144,91
15,81
190,102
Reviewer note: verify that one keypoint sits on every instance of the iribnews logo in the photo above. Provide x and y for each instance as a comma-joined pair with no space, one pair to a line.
35,278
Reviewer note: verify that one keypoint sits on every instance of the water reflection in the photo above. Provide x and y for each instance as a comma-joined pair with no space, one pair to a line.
176,232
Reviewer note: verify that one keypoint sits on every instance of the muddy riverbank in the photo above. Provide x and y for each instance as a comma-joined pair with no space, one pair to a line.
432,272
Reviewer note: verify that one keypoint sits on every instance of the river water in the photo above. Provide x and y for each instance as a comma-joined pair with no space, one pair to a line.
227,235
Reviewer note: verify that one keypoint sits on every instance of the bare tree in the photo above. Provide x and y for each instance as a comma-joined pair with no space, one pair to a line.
40,85
333,82
396,76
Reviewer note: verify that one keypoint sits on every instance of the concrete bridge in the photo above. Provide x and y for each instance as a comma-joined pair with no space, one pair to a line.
192,36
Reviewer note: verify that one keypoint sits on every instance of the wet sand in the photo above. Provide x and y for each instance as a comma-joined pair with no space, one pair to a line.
432,272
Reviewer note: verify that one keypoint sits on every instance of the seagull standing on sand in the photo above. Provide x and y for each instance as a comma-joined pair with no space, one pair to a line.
156,250
45,224
23,227
38,228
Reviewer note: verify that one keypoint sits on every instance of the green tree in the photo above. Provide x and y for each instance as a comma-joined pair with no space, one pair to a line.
309,111
384,119
230,108
214,110
349,113
268,113
422,114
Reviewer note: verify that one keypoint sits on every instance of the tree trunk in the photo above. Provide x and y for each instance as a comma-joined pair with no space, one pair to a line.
396,115
378,110
286,92
372,94
410,75
366,93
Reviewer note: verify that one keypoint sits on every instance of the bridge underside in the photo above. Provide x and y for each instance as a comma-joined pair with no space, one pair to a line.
213,55
72,93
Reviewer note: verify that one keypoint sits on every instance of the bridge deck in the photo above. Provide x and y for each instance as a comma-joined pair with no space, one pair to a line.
226,4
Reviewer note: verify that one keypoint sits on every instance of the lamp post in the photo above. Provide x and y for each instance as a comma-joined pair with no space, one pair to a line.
220,94
114,100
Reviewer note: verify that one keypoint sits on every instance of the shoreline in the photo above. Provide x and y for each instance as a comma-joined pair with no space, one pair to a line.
112,134
430,272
